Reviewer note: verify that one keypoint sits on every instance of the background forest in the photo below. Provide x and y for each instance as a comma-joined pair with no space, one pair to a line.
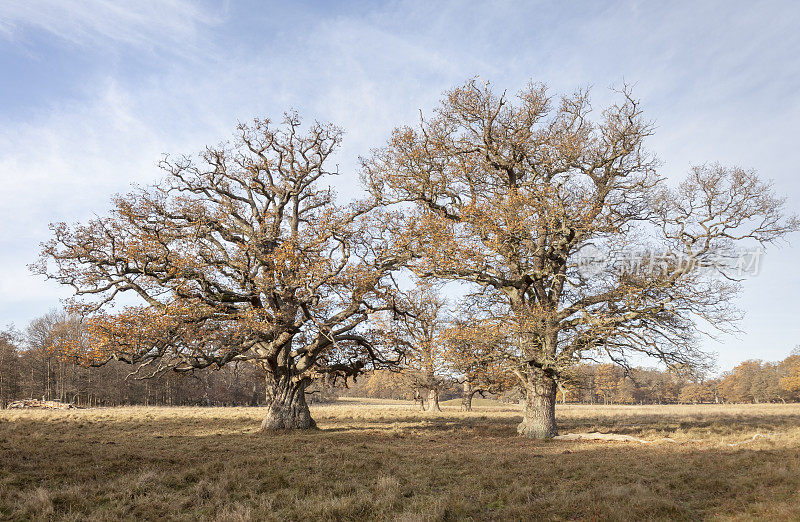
30,368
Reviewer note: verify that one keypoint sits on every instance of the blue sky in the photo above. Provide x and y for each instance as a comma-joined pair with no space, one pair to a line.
92,92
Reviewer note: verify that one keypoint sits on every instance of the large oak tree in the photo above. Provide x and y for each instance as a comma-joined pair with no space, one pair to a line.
239,254
510,195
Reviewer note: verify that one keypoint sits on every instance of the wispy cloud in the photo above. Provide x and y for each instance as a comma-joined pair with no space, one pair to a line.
719,81
172,25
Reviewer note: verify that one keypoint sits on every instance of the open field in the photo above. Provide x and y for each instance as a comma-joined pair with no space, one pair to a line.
385,460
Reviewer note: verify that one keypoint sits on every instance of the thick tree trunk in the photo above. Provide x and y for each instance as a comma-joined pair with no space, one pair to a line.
563,392
433,400
418,398
539,419
287,409
254,396
467,392
269,388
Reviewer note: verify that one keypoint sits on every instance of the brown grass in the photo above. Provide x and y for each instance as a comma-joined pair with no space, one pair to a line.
385,460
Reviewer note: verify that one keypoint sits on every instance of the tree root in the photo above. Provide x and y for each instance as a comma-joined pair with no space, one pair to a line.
42,405
609,436
628,438
751,439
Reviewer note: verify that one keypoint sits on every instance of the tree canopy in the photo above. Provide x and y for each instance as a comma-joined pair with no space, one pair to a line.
238,254
509,193
572,243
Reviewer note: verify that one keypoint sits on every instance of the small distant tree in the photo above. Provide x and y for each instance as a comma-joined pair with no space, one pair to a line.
627,391
50,367
513,196
607,379
696,393
419,335
390,384
9,366
240,254
475,353
40,338
582,380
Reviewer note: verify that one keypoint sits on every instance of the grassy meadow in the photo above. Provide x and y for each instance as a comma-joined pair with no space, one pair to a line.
374,459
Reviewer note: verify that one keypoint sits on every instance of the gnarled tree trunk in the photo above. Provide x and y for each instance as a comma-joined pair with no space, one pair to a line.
287,408
419,398
563,391
433,400
467,392
539,417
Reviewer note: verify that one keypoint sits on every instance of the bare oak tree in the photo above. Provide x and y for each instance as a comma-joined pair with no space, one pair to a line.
240,254
512,196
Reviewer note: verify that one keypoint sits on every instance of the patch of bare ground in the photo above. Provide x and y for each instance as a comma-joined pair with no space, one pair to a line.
386,460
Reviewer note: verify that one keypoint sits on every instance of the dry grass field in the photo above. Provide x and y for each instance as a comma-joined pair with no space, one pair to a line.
385,460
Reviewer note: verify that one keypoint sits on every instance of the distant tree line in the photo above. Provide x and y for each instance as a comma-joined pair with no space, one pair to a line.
31,368
752,381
